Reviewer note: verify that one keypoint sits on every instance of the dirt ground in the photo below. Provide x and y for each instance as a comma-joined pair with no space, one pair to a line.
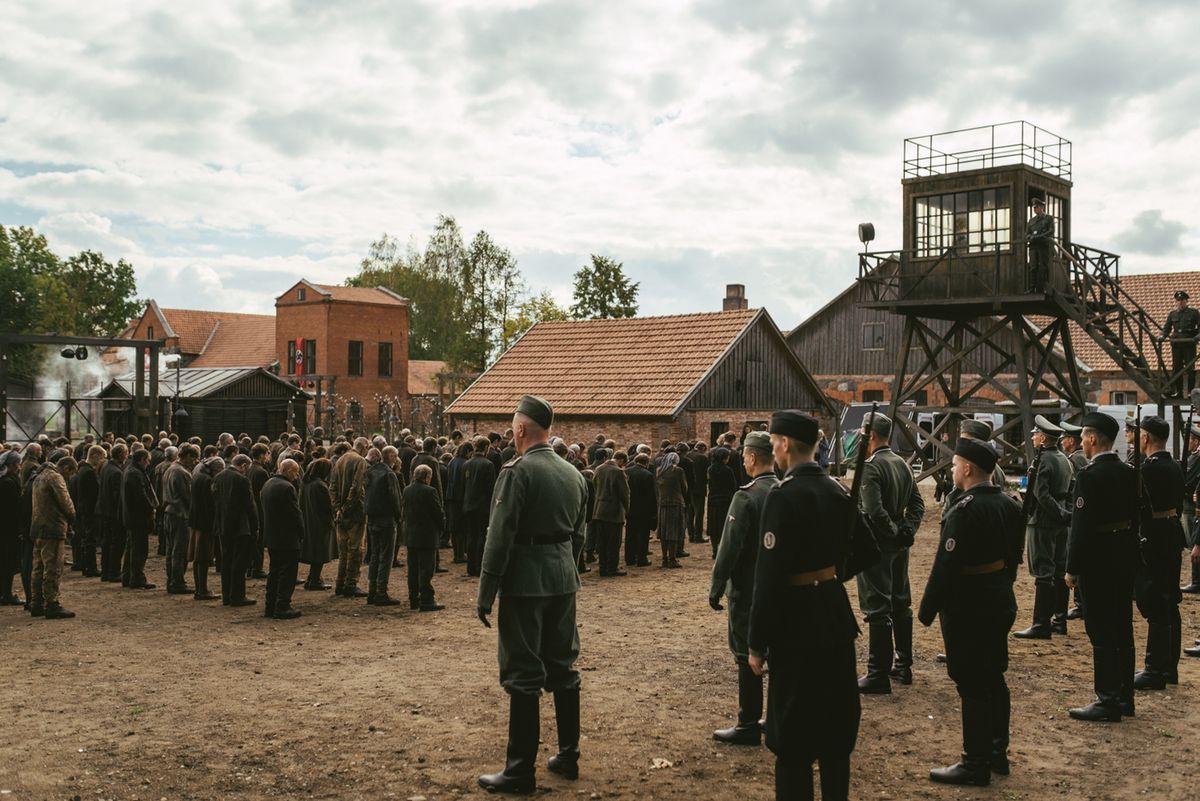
148,696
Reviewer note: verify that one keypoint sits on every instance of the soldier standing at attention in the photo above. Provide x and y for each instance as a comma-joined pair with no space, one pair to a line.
733,576
535,536
801,621
1046,532
1191,482
1157,586
1102,558
971,588
1039,235
894,508
1070,442
1182,330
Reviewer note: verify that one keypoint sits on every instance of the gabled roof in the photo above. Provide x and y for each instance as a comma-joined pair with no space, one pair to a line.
351,294
422,376
222,339
641,366
197,382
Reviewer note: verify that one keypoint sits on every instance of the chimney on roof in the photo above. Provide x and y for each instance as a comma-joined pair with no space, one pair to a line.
735,297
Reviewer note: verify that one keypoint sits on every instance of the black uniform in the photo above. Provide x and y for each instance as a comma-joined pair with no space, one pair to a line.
1102,553
1182,329
807,631
971,588
1191,481
1157,584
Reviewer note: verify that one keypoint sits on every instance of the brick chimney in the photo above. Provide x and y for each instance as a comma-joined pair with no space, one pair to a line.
735,297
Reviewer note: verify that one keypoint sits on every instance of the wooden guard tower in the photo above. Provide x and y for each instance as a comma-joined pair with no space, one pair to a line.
961,283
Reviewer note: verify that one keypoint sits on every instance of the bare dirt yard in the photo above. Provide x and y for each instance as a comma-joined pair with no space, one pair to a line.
147,696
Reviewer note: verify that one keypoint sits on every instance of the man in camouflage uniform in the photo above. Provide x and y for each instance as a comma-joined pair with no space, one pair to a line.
1047,519
535,536
733,576
1182,330
894,509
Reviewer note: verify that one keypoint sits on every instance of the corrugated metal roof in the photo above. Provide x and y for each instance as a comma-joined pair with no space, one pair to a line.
197,382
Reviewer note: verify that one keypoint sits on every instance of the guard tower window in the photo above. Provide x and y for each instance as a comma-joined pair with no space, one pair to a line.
971,222
872,336
1056,208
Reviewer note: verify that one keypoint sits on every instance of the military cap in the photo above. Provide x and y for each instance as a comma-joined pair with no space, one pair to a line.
977,453
1181,295
975,429
1046,427
881,425
1156,427
1070,429
1038,203
1102,422
536,409
758,439
1131,424
1195,431
796,424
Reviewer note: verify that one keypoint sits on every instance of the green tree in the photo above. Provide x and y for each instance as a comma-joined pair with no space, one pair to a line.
539,308
41,293
603,291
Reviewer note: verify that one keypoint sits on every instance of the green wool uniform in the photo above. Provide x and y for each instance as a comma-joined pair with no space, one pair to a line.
535,536
733,571
1046,527
894,508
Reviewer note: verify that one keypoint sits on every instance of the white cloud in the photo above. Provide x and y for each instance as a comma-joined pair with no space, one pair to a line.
699,142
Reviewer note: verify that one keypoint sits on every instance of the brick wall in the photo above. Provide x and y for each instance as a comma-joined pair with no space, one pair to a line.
334,324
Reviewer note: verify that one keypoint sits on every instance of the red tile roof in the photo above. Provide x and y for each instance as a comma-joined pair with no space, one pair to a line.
644,366
1154,292
361,294
422,376
243,340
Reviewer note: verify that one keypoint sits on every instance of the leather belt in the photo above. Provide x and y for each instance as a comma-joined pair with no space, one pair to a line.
1165,514
813,577
1121,525
982,570
541,539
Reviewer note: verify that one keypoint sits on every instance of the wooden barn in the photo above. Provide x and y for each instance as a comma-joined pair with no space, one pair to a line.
644,379
215,400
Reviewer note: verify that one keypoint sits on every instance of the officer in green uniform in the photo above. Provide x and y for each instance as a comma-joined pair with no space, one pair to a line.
1182,330
733,576
535,536
1039,235
894,508
1047,519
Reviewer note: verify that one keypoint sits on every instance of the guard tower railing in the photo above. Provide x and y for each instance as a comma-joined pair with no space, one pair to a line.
895,276
999,145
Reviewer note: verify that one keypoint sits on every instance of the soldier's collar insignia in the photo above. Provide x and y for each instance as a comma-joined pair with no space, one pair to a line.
769,540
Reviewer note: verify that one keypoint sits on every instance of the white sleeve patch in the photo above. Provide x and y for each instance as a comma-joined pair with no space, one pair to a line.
950,544
769,540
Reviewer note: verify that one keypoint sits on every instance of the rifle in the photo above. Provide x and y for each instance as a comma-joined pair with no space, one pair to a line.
1139,488
1029,503
863,551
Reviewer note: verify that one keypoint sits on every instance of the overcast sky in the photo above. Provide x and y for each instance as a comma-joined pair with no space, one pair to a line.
227,149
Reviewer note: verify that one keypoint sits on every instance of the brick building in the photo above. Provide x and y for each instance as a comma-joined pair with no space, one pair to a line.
209,339
688,376
356,335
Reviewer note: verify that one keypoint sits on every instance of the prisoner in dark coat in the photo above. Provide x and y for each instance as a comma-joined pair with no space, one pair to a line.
643,511
282,531
722,484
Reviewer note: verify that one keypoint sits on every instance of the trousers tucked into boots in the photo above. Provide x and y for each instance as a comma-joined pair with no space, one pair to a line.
750,708
879,660
520,765
566,717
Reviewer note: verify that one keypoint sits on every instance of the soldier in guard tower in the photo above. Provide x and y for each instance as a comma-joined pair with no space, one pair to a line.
1182,330
1039,235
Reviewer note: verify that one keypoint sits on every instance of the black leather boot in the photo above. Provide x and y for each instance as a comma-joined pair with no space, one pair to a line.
879,661
902,629
520,766
1042,604
1107,706
566,716
747,731
1062,597
1001,713
1154,677
1172,659
974,768
1126,665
